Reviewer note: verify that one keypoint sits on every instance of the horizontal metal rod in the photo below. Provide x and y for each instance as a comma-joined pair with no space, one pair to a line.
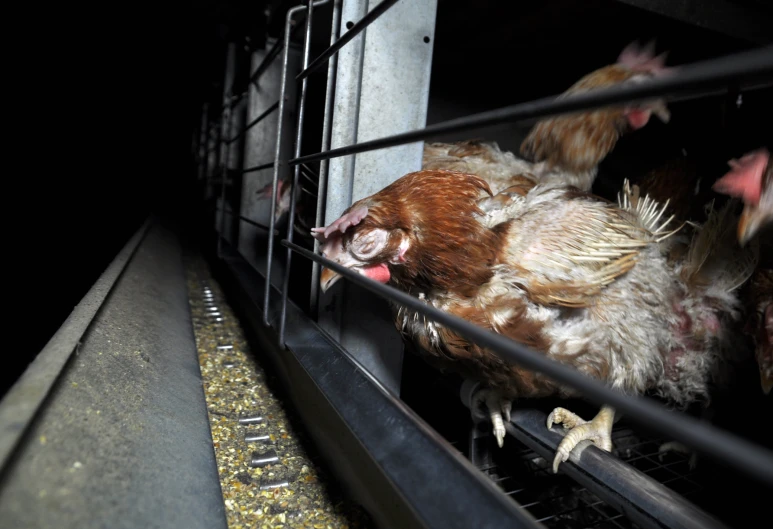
249,221
277,47
363,23
689,82
255,121
268,165
234,100
731,449
640,498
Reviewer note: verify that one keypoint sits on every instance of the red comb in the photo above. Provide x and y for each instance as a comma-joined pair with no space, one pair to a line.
342,224
643,59
745,177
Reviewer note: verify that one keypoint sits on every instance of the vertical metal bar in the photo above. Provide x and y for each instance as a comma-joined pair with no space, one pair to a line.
277,155
325,164
227,148
296,173
203,141
225,145
212,171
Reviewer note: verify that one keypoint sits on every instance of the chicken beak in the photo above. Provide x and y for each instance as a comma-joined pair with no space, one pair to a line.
749,224
661,111
766,380
327,278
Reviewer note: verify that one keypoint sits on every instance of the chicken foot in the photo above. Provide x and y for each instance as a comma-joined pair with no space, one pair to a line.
598,430
676,446
499,409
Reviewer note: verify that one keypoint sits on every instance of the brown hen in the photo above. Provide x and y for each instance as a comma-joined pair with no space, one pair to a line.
565,149
577,278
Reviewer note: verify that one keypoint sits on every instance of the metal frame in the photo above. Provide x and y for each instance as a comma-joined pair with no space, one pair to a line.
745,71
324,165
203,139
355,30
254,122
639,497
297,171
277,155
390,61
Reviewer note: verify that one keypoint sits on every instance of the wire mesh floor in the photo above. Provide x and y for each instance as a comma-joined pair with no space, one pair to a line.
557,501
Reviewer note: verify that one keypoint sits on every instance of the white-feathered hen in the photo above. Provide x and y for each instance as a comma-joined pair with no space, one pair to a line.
582,280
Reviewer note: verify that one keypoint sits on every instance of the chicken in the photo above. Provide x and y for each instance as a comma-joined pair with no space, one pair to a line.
565,149
569,147
500,169
283,190
571,275
283,197
751,178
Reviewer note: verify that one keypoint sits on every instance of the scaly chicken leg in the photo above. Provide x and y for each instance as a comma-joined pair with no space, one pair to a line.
499,409
598,430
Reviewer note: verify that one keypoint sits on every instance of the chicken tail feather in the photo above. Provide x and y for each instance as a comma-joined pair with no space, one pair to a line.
714,257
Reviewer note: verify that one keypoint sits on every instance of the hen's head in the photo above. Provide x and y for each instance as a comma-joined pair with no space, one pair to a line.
751,179
580,141
419,232
642,64
635,64
282,197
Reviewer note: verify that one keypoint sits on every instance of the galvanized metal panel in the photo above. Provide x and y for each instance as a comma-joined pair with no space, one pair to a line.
394,92
382,88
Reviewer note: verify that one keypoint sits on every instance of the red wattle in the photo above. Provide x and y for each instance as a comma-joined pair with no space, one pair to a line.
379,272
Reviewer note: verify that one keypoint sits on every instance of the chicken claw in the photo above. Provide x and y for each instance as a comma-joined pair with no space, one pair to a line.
676,446
598,430
499,409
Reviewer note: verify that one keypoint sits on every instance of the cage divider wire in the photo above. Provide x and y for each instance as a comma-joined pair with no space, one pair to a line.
363,23
251,222
258,168
272,54
296,171
227,148
369,17
278,150
255,121
327,129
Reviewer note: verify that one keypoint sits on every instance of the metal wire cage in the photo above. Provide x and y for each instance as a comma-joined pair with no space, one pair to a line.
236,152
